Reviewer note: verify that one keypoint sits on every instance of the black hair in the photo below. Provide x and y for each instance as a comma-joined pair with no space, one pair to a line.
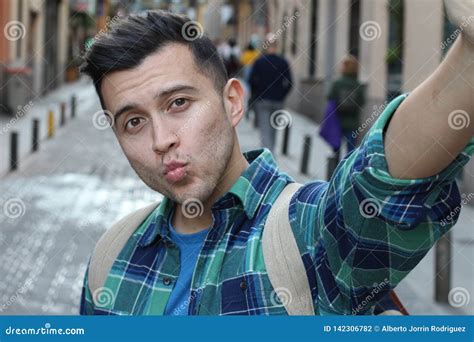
130,39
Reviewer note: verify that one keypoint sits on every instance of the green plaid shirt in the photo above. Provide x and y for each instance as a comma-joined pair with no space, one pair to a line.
359,235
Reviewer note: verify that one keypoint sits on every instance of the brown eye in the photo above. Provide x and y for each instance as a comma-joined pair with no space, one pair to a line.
132,123
135,122
178,103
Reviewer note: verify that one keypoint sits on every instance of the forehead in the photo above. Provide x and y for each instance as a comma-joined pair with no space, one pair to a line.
170,65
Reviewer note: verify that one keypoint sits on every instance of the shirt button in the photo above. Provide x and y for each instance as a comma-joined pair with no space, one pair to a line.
243,285
167,281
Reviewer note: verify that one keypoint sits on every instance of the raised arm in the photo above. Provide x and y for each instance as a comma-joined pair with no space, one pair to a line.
436,121
393,197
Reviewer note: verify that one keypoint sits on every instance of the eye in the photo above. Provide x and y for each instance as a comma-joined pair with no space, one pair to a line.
179,104
133,122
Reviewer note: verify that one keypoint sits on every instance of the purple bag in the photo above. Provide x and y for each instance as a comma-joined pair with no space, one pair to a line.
331,130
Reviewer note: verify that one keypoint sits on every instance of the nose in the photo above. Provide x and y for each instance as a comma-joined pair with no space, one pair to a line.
164,137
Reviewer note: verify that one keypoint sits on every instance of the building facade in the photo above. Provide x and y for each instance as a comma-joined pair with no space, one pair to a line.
398,43
33,48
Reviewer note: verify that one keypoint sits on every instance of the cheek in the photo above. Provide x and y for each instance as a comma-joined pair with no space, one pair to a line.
134,148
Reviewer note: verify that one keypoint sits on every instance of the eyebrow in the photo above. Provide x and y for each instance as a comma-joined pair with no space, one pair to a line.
159,96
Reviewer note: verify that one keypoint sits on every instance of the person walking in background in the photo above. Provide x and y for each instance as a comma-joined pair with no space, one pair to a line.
270,81
348,94
247,59
230,54
249,56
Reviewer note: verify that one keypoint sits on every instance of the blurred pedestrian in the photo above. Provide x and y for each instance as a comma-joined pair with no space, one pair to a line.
348,94
270,80
232,63
247,59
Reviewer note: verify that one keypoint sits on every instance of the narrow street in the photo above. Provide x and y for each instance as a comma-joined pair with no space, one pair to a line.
62,198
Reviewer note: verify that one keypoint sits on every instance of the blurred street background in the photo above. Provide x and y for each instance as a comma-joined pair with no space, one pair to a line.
64,179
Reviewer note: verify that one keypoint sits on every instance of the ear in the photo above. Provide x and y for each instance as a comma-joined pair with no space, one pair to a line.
234,100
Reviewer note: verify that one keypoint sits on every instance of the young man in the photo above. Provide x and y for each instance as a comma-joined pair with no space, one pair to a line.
174,113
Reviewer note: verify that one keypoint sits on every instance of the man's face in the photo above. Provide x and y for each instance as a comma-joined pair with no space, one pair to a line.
171,123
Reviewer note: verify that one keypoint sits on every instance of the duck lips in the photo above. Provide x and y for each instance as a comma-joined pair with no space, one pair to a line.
175,172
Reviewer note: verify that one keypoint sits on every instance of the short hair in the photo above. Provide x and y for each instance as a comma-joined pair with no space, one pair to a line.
130,39
350,65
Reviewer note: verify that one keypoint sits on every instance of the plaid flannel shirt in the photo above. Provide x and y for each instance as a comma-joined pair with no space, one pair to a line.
359,235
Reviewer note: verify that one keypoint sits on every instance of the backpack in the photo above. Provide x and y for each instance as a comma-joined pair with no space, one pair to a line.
282,258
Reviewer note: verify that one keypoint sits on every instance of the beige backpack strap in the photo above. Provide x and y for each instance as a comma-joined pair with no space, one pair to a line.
111,243
283,261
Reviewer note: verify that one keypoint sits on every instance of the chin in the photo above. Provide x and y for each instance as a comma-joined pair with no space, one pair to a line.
196,192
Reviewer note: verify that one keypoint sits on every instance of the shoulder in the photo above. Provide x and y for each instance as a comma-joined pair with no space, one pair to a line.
128,223
112,242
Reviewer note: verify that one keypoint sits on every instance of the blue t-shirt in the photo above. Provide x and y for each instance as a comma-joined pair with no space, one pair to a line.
190,246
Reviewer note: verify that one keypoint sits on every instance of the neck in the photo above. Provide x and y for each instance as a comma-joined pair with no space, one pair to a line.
236,166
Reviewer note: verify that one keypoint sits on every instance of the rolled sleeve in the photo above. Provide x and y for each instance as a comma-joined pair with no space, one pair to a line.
404,203
366,230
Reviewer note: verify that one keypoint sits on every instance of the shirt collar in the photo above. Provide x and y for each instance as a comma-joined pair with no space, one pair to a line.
250,189
251,186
